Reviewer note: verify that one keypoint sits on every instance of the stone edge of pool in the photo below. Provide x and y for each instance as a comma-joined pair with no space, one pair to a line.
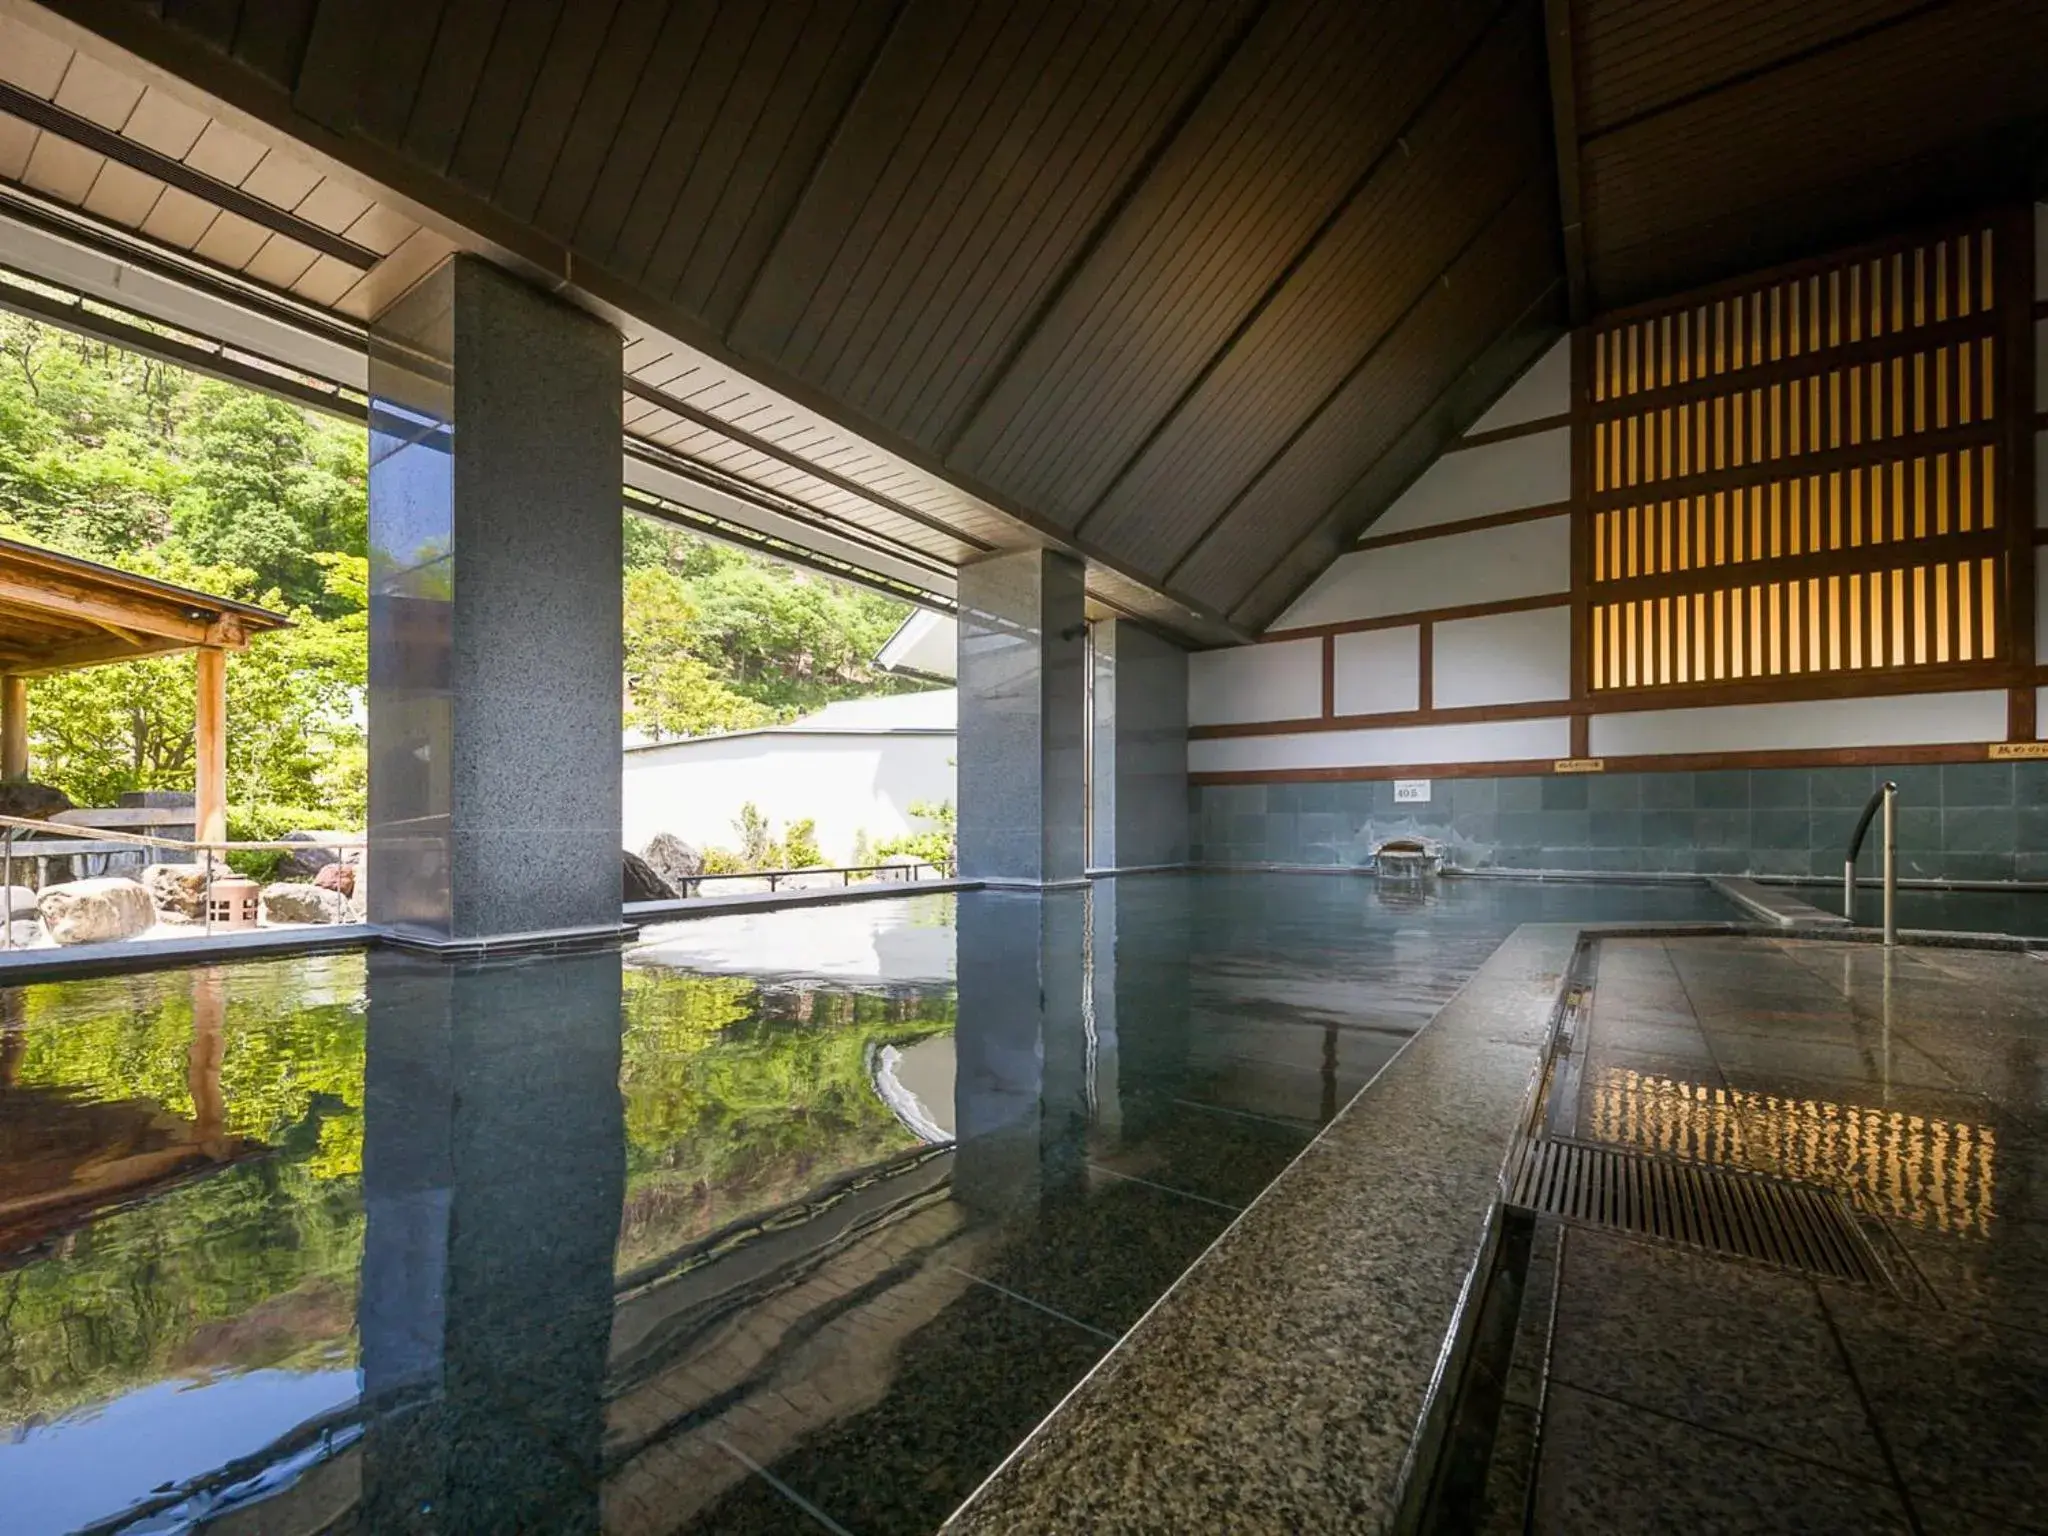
1283,1383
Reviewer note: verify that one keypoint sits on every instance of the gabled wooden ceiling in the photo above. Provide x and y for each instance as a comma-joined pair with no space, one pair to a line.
1191,286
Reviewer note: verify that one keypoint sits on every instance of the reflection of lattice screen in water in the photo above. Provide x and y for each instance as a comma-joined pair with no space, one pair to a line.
1940,1174
1754,515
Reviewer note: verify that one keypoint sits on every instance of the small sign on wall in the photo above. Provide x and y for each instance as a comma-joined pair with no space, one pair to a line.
2014,751
1411,791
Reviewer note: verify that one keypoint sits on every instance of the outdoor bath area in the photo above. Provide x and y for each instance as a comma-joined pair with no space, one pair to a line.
775,1221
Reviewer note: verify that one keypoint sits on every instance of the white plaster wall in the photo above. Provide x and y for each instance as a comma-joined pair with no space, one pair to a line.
1378,671
2041,603
847,784
1545,389
1510,658
2041,250
2040,480
2041,713
1485,566
1489,742
1532,471
1250,683
1915,720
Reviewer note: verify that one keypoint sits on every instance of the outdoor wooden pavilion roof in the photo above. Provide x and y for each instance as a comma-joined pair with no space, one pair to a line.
58,612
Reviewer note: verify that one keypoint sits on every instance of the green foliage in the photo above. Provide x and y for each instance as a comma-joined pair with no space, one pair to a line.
800,845
760,848
261,822
937,845
737,1099
125,460
718,639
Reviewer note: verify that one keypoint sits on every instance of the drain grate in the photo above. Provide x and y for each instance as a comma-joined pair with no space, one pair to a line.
1721,1210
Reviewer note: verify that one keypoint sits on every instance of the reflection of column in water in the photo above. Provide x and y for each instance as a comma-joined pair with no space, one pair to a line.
13,1038
1105,1103
493,1173
1063,1129
1020,1084
203,1059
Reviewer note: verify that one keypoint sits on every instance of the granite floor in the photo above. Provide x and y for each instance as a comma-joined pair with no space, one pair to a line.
1688,1392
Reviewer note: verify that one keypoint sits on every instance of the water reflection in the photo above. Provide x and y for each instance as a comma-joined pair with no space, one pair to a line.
580,1243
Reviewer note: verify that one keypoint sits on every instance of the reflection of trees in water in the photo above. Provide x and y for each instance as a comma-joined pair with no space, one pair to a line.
741,1097
737,1098
252,1265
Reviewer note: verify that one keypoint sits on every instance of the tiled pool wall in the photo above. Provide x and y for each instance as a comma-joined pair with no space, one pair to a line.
1957,821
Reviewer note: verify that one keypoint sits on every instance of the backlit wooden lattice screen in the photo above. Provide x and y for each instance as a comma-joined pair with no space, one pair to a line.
1802,476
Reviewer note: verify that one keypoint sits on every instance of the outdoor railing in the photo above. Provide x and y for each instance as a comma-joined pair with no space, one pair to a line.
910,872
62,840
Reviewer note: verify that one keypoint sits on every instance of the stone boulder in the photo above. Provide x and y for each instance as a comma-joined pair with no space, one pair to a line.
336,877
17,903
179,890
95,911
31,801
24,932
301,865
674,860
296,901
641,883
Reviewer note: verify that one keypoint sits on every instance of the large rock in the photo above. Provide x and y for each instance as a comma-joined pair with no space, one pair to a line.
179,890
295,901
30,800
95,911
674,860
641,882
339,878
17,902
303,864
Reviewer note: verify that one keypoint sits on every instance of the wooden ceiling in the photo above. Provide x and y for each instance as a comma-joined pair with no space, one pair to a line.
1192,286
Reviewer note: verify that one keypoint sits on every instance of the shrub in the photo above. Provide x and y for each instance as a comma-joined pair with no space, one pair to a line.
265,823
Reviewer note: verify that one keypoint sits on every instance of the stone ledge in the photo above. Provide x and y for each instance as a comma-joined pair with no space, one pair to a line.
1286,1381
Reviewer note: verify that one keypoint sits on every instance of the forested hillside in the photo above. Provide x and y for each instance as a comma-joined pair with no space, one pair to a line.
120,459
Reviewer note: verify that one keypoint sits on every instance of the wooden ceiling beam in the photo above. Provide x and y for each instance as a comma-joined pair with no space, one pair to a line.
1564,120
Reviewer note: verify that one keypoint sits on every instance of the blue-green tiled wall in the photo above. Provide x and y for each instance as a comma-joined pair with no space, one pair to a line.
1958,821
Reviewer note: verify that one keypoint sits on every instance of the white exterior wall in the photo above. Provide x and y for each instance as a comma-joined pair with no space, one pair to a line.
847,784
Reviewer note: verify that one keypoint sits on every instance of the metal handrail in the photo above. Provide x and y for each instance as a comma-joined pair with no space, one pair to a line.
1885,796
848,871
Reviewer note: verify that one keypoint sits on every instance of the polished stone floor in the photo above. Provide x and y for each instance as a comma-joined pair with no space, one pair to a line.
775,1222
1693,1393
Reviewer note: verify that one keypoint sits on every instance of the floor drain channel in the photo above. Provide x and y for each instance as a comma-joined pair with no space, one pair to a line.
1720,1210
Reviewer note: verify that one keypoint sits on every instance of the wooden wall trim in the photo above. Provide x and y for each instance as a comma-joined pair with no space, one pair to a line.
1466,525
1811,688
1329,680
1846,354
1677,762
1425,670
1936,549
1388,720
1800,267
1805,466
1419,616
2017,467
1535,427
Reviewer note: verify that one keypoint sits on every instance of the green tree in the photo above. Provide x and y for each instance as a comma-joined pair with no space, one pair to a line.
783,639
671,690
268,489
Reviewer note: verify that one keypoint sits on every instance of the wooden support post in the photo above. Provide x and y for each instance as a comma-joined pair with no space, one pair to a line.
210,755
13,727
